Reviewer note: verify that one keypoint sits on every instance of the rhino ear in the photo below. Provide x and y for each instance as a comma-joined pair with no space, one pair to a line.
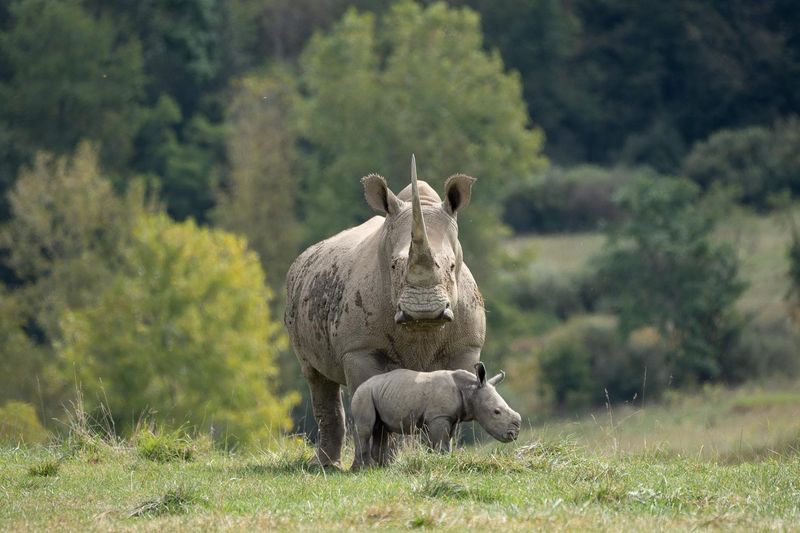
457,192
496,380
480,371
378,195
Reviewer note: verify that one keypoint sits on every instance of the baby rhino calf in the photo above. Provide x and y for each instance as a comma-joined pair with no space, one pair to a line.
403,401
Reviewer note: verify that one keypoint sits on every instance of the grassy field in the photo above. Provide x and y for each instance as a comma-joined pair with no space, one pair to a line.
718,459
712,459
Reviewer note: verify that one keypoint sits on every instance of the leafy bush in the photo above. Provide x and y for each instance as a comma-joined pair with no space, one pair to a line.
19,424
766,347
558,294
578,363
184,330
755,161
574,199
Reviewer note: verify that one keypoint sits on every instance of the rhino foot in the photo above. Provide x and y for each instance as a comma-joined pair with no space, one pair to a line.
316,463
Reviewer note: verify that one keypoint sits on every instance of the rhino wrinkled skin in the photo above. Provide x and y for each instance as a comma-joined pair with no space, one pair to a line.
391,293
404,401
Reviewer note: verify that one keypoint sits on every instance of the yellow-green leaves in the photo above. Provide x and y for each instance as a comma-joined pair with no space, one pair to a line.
183,331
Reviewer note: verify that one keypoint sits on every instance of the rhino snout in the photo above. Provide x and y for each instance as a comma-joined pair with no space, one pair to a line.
513,431
429,305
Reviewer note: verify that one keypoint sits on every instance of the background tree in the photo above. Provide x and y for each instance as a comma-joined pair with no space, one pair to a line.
421,83
67,76
184,330
260,195
63,242
661,269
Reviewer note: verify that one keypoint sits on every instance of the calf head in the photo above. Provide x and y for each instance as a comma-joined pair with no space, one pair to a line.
490,409
420,255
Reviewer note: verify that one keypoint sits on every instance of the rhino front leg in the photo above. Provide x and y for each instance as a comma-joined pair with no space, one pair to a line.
326,401
361,365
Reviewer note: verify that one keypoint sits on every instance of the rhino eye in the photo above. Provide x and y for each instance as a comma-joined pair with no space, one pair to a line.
497,411
452,266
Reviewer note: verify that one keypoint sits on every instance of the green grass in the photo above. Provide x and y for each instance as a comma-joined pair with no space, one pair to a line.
686,464
752,422
164,446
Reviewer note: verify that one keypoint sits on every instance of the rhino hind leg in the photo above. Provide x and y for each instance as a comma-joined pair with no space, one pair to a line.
326,401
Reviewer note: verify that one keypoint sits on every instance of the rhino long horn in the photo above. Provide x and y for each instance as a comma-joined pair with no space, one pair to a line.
420,257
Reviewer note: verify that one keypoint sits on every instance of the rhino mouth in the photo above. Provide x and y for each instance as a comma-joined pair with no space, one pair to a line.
428,319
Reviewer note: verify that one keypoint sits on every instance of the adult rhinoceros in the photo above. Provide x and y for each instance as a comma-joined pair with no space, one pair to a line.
391,293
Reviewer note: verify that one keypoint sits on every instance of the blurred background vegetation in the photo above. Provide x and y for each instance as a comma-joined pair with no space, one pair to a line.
635,226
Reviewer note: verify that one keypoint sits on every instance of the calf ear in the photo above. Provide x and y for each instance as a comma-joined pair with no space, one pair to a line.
378,195
497,379
480,371
457,192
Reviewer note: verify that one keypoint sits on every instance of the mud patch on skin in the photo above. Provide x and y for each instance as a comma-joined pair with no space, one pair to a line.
359,302
325,295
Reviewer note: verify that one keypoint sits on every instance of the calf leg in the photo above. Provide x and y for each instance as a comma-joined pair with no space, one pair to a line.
365,423
326,401
359,366
438,434
381,450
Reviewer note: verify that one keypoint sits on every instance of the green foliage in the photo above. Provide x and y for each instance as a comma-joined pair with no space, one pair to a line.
184,328
755,162
661,269
19,424
20,359
69,76
793,254
585,362
191,168
64,243
766,347
575,199
260,196
419,82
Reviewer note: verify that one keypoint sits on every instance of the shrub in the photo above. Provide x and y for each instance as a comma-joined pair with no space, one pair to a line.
766,347
19,424
574,199
578,363
755,161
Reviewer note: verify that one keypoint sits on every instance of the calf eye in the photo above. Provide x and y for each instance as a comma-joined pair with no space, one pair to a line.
497,411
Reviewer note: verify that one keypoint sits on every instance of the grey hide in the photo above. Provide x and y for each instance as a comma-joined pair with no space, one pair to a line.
433,403
391,293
